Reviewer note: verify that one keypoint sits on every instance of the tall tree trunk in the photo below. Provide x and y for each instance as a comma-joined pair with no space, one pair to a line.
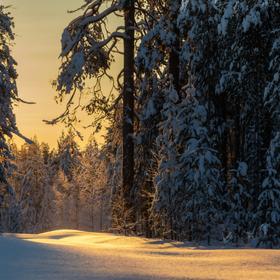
128,108
174,57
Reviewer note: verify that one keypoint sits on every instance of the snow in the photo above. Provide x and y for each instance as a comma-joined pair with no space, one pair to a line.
253,18
222,27
69,254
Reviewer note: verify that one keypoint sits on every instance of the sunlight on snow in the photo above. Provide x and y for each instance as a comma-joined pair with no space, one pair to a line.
154,259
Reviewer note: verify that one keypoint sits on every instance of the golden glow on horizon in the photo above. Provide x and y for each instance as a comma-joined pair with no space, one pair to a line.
39,25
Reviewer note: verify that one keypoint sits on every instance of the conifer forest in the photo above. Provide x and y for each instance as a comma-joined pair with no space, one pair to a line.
190,129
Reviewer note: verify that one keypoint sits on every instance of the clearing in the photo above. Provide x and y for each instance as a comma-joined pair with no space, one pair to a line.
77,255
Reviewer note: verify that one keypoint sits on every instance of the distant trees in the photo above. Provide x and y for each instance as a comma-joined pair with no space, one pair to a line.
95,196
45,197
67,160
34,189
82,200
68,154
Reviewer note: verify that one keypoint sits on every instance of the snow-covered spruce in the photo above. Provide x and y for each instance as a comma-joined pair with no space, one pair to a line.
198,134
268,211
268,214
33,185
158,66
8,95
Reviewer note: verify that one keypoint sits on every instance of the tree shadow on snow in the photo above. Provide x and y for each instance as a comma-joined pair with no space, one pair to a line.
25,260
168,244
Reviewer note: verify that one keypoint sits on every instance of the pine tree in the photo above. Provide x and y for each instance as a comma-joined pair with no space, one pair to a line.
158,66
34,189
68,156
232,121
112,153
269,207
243,51
268,215
94,192
8,96
167,196
197,133
238,216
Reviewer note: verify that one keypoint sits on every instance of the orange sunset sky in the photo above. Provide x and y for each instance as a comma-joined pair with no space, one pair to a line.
39,25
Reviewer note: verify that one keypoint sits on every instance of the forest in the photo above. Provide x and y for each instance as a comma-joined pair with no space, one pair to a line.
191,146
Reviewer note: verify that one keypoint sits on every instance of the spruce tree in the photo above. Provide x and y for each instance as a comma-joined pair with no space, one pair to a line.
200,160
33,185
158,69
8,96
268,212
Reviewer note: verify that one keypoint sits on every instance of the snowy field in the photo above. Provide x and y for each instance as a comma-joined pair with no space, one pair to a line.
75,255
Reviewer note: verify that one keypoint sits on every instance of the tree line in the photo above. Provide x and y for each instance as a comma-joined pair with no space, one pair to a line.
192,145
56,188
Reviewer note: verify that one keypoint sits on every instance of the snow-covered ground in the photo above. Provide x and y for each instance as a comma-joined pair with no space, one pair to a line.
75,255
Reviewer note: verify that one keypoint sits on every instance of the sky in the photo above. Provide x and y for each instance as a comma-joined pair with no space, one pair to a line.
38,27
